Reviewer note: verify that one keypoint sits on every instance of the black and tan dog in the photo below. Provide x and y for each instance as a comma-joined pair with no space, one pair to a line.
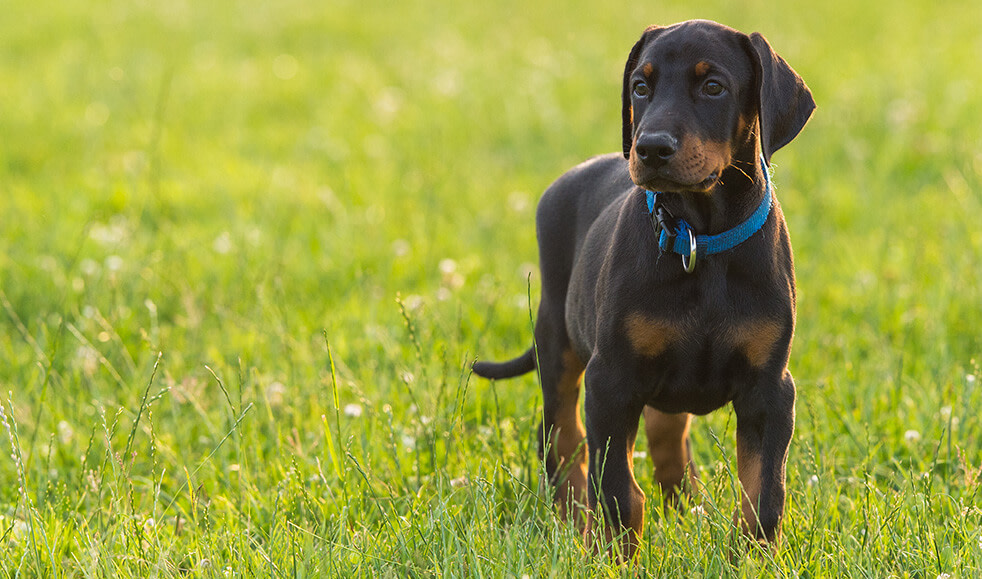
660,334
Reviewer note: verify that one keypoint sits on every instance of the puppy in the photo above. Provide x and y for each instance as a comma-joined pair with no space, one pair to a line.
668,282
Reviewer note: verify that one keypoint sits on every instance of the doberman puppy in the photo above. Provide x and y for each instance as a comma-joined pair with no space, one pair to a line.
704,108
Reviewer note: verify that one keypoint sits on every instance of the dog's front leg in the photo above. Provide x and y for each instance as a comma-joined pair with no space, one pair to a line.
765,422
612,415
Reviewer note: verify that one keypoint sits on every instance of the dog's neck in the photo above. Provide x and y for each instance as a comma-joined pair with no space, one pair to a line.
730,202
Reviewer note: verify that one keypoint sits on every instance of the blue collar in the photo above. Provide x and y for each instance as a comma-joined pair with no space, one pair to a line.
679,238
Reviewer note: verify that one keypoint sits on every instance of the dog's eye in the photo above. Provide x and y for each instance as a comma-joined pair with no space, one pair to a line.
713,88
641,89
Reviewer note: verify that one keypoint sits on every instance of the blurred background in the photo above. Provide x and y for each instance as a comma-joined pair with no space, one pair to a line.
236,184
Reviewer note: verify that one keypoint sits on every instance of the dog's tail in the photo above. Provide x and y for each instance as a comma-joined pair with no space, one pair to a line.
510,369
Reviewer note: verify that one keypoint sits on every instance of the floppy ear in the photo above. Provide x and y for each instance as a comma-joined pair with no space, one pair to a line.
784,102
627,114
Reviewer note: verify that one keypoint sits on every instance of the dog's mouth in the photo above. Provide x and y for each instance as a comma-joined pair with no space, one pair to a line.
667,184
696,166
709,182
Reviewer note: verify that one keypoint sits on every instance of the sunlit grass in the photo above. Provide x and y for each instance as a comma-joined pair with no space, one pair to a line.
249,251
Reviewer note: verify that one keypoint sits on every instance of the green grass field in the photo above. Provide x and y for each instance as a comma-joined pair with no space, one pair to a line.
250,249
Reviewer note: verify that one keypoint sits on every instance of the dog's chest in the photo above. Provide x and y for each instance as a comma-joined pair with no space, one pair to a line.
696,362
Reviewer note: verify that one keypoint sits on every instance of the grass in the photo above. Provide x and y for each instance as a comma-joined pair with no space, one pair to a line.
250,249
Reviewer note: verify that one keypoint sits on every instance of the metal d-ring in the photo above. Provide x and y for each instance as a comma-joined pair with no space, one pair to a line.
690,263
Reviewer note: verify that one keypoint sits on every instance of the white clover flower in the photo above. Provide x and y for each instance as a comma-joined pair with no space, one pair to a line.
109,234
275,393
223,243
20,530
448,266
912,436
518,201
352,410
401,247
413,302
88,358
88,267
114,263
65,432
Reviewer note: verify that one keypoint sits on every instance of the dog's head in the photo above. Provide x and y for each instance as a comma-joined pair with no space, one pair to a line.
698,93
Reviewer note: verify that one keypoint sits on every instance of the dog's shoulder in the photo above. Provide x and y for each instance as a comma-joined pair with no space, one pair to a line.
600,172
586,189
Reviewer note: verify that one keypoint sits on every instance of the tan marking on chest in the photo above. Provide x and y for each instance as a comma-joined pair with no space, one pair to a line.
650,336
757,339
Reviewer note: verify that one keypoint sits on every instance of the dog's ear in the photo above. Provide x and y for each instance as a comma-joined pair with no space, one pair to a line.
627,113
784,103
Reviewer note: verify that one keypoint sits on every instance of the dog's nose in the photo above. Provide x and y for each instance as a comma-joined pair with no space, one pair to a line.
656,148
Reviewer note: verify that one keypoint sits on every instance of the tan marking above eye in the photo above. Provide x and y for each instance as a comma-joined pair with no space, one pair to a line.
647,69
650,336
757,339
702,67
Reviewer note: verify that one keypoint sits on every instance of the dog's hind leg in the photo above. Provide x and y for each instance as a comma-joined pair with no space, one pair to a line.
562,438
670,452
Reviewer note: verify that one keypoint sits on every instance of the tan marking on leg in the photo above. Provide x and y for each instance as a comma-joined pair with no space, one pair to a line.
629,535
650,336
568,442
757,340
749,471
635,526
702,68
667,447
